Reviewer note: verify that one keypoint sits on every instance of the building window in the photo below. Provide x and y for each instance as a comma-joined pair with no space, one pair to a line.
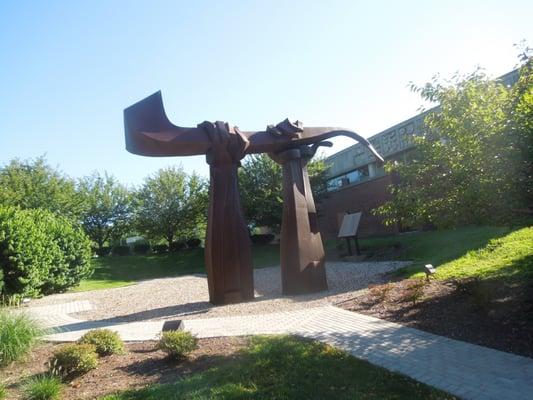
355,176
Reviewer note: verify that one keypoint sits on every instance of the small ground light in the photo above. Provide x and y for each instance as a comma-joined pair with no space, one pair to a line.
429,270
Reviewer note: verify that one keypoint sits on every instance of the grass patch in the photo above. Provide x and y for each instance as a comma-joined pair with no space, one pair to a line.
435,247
284,367
117,271
18,334
43,387
509,257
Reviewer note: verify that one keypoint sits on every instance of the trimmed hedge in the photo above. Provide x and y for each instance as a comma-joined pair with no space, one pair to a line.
121,250
193,243
160,248
177,246
262,239
141,248
41,253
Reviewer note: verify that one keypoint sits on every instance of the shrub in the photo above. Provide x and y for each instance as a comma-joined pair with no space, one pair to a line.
177,344
105,341
74,359
160,248
380,292
43,387
102,252
262,239
414,291
40,252
141,248
193,243
121,250
18,334
177,246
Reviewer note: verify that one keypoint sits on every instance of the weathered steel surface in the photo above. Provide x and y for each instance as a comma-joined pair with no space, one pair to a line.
227,248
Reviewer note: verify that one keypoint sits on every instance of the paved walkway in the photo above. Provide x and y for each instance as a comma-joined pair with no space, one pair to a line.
463,369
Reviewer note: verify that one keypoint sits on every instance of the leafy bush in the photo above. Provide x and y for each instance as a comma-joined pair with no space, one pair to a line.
43,387
121,250
40,252
102,252
177,246
262,239
18,334
105,341
193,243
160,248
141,248
74,359
177,344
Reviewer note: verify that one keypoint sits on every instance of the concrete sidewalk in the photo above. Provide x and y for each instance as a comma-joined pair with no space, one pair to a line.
463,369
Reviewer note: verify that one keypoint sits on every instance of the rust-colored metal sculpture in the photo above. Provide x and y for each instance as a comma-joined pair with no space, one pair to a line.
227,249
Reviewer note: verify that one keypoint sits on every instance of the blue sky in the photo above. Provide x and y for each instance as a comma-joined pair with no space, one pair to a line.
69,68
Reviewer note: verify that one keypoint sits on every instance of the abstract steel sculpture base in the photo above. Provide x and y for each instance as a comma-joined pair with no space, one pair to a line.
227,246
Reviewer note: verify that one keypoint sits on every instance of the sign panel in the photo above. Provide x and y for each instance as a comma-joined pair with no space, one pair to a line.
349,225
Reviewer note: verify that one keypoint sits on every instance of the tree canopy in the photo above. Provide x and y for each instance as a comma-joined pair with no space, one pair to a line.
107,208
474,162
34,184
172,205
261,185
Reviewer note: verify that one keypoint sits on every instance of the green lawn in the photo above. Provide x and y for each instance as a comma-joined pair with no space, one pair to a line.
438,248
116,271
470,251
284,367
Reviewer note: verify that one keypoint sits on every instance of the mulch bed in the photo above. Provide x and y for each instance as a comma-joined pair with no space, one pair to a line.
489,313
142,365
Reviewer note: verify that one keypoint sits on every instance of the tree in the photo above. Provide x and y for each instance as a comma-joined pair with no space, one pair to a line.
172,204
107,208
261,184
35,184
473,164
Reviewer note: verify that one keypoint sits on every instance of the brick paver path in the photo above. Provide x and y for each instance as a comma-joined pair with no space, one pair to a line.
463,369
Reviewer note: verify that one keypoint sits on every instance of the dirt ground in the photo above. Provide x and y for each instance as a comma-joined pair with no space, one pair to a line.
489,313
142,365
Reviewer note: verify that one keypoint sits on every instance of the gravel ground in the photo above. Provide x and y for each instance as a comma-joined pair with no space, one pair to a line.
187,296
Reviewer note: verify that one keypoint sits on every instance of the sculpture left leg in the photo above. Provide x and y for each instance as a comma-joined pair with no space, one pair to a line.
228,257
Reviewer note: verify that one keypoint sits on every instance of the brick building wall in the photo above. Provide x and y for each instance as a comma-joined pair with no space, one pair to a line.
362,197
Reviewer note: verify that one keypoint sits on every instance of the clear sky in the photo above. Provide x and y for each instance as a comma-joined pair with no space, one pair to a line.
69,68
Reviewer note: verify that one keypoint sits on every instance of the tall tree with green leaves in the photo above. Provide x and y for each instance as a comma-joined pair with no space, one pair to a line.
34,184
473,164
172,205
261,187
107,208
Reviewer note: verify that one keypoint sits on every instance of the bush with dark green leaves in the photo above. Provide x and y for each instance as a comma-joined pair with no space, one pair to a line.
74,359
177,344
102,252
121,250
262,239
193,243
141,248
177,246
41,253
43,387
160,248
106,341
18,334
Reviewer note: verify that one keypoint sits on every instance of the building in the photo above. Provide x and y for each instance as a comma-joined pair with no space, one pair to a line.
356,183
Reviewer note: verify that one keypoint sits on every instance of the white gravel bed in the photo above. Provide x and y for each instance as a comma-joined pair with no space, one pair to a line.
187,296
